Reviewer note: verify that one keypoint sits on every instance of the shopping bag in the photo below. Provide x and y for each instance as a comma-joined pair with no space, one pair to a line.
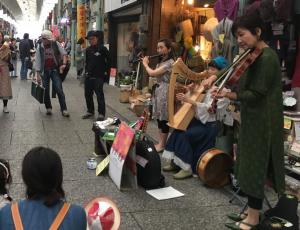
38,92
63,75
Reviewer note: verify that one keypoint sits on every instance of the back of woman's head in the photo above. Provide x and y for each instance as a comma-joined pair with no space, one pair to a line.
5,176
43,175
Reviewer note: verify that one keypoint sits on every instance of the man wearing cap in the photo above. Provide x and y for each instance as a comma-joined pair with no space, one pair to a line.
96,69
51,59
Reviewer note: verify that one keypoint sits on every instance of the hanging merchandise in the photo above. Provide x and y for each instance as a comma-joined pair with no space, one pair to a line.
226,8
267,11
296,77
187,28
283,10
208,27
252,6
224,43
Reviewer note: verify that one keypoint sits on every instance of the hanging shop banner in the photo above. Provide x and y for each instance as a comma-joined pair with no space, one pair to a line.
114,5
55,31
81,24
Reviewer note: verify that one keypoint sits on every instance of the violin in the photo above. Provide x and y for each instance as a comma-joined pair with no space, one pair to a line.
235,71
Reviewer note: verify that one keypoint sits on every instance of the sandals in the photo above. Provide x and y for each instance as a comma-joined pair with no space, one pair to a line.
236,226
237,216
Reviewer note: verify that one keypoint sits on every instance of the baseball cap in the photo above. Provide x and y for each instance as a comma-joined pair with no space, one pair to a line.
47,34
92,33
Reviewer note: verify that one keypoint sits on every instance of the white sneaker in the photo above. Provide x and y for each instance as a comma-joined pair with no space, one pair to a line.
49,112
65,113
5,109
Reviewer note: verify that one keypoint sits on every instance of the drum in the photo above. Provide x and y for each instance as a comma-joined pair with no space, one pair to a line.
102,213
213,168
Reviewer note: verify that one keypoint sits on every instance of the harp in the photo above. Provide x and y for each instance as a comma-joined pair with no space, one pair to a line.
181,119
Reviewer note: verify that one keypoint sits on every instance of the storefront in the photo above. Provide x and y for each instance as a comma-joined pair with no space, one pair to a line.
123,21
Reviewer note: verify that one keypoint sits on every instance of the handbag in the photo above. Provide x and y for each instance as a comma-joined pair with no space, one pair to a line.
10,67
29,64
38,92
63,75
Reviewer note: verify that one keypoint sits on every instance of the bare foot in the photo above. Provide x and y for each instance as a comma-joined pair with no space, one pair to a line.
244,223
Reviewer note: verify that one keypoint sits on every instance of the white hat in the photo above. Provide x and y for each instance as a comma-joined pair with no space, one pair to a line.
6,38
47,34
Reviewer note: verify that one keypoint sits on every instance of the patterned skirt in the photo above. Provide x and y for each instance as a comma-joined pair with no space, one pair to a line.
5,83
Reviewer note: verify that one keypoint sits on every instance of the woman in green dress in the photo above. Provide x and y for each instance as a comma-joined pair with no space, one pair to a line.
260,146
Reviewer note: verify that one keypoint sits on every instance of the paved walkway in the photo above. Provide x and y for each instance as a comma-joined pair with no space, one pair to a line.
27,126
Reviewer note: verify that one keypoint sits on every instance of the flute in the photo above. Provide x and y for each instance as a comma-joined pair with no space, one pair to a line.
150,57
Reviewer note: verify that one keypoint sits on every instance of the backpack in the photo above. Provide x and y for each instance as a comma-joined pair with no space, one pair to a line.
148,165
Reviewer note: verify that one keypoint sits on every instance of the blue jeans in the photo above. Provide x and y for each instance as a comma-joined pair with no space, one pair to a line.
24,70
56,82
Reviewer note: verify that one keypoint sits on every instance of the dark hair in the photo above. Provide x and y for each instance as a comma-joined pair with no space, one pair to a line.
26,36
251,22
1,42
5,176
43,175
168,44
213,64
80,41
134,37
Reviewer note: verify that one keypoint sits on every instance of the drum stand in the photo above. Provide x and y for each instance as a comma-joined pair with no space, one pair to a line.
244,203
236,196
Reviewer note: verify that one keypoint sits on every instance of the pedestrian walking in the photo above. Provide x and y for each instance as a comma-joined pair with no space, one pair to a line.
24,48
97,67
5,82
51,59
45,201
32,61
14,57
67,46
79,57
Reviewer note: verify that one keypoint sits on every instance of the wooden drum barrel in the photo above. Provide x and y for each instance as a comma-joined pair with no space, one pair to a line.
213,168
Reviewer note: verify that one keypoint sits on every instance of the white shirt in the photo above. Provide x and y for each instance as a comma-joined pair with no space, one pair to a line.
221,114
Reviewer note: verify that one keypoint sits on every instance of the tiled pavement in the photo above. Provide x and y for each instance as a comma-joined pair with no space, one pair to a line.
27,126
